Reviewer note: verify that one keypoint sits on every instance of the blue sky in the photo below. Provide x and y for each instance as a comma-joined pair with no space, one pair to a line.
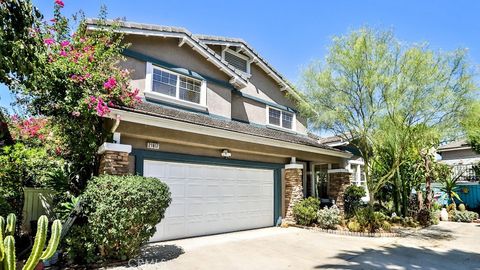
290,34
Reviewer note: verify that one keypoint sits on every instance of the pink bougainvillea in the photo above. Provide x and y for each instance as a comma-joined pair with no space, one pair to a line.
64,43
29,128
49,41
59,3
110,83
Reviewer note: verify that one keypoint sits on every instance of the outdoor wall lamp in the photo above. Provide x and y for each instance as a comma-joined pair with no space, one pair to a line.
226,154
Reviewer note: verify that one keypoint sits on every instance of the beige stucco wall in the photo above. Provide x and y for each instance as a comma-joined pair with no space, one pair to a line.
189,143
166,49
262,86
220,100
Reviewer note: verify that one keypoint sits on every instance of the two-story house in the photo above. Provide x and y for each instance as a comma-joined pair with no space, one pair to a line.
219,125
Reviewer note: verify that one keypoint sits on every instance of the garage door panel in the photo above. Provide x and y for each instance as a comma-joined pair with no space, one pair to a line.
212,199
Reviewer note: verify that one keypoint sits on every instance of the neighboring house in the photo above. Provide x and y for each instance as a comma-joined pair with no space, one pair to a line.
461,157
218,127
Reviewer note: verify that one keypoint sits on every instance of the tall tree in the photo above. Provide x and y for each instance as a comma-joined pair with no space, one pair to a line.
370,77
471,125
19,22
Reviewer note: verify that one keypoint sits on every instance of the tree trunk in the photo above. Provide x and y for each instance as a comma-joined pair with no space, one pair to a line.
428,183
396,192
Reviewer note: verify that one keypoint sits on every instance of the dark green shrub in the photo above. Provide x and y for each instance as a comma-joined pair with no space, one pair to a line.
80,245
305,211
369,219
121,214
426,217
353,198
328,218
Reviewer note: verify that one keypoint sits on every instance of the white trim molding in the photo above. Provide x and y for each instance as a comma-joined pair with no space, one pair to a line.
114,147
149,93
220,133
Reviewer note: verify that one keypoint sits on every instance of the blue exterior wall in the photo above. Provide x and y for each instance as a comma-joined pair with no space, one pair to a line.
469,193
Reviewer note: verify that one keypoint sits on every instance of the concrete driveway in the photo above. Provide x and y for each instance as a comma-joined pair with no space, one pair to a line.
445,246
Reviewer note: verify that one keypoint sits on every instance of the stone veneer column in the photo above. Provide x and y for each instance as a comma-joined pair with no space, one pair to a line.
293,189
338,182
114,158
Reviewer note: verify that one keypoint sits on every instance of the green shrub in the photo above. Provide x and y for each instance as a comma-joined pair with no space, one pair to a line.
328,218
461,207
353,198
80,245
396,220
305,211
354,226
464,216
121,213
409,222
426,217
369,219
386,226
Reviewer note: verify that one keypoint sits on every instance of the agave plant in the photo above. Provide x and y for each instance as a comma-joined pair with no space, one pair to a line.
450,188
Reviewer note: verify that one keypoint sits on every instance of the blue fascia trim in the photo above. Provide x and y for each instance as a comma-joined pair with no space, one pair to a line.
271,104
184,108
141,155
166,65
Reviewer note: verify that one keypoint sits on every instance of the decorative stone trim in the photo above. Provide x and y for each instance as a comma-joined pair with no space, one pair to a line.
339,181
114,159
348,233
293,190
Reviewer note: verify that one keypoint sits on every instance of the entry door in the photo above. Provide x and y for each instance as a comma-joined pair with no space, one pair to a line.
212,199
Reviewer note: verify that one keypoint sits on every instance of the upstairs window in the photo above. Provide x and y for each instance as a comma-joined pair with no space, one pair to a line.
280,118
239,61
168,85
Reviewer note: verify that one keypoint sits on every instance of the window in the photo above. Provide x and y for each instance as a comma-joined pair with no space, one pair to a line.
170,85
280,118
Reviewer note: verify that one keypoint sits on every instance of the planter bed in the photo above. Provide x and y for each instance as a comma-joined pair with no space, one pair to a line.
349,233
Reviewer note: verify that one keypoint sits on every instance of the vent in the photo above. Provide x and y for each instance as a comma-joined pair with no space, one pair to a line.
236,61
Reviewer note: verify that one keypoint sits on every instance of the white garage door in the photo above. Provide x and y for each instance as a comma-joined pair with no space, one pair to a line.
212,199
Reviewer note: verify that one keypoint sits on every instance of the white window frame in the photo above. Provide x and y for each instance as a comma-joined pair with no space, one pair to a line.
294,119
244,57
162,97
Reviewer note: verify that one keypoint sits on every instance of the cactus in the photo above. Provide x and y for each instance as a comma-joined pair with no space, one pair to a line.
7,247
9,262
38,245
2,249
11,222
461,207
54,240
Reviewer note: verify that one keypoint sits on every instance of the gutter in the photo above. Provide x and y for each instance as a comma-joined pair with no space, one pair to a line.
156,121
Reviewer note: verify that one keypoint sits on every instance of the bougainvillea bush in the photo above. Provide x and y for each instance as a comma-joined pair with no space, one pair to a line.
32,161
75,85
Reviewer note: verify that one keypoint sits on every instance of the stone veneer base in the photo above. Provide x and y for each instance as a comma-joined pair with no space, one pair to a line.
347,233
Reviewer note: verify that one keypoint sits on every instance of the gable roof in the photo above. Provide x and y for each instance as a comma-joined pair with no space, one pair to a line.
244,46
200,43
238,78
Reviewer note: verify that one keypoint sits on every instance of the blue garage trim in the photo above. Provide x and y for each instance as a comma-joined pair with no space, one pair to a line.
141,155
